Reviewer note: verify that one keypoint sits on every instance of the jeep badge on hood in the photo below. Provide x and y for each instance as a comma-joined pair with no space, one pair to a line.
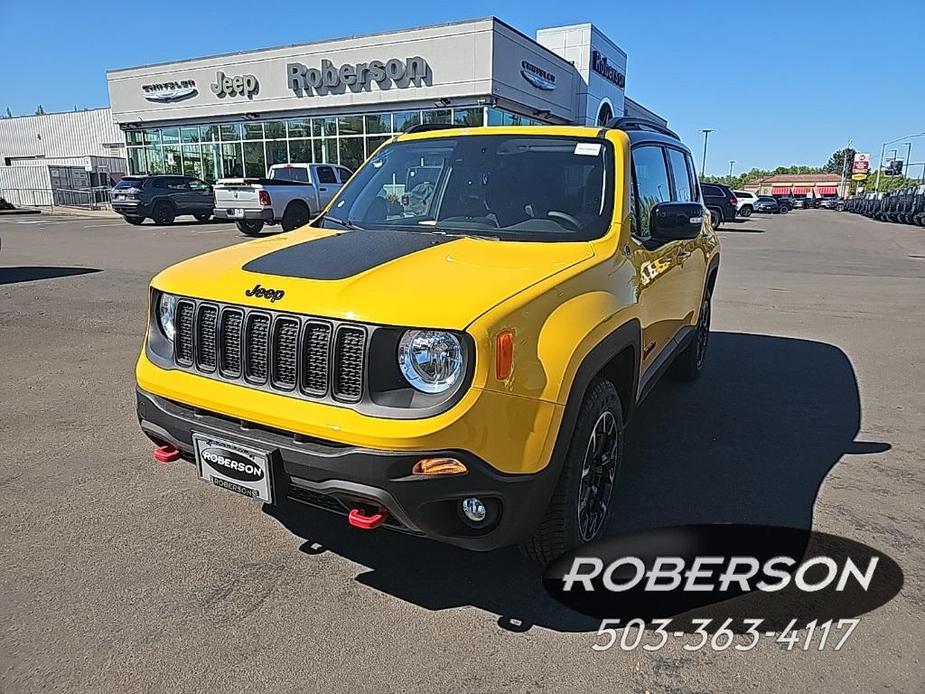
273,295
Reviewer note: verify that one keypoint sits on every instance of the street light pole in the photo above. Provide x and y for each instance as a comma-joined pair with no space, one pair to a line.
908,158
731,164
843,190
879,168
706,135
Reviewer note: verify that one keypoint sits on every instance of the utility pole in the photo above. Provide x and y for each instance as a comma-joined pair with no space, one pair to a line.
844,170
706,135
731,164
879,168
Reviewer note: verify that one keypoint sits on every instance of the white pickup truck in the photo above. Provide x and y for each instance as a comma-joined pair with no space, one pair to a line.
291,195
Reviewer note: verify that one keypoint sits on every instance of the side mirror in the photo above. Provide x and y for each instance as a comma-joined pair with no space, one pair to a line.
671,221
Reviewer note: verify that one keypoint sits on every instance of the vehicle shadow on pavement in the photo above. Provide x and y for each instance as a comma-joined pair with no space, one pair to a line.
28,273
750,442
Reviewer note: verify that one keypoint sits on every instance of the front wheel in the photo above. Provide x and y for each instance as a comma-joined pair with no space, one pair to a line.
580,508
783,209
249,227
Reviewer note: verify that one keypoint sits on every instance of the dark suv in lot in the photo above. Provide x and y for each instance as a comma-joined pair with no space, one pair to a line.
721,202
162,198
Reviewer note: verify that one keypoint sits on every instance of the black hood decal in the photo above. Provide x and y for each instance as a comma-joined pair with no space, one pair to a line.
343,255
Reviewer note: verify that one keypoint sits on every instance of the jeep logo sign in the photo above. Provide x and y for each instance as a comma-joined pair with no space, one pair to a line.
233,465
240,85
329,77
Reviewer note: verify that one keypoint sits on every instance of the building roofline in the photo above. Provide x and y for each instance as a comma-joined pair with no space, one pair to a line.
317,42
55,113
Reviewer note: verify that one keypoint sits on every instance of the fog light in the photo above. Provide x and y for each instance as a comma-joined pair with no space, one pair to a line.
474,509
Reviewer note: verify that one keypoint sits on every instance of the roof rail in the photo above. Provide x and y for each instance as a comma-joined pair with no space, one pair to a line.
427,127
631,123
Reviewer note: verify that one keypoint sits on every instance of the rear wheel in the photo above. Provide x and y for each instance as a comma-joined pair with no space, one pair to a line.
135,220
295,216
203,217
163,214
249,227
783,209
688,365
579,509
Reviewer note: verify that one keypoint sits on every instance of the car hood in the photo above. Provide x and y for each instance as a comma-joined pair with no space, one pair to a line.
399,278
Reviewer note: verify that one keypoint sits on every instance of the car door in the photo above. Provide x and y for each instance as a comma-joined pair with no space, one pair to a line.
692,253
201,197
328,184
659,283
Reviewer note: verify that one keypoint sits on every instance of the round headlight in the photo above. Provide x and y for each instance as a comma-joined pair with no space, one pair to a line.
431,360
166,312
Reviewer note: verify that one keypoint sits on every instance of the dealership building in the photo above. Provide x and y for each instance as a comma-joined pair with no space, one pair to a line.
337,100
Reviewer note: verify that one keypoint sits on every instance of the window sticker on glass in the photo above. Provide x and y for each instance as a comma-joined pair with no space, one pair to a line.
588,149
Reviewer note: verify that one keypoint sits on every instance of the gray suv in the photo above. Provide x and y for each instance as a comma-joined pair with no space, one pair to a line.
162,198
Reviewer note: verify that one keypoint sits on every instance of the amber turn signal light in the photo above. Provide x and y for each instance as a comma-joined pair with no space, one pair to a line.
439,466
504,355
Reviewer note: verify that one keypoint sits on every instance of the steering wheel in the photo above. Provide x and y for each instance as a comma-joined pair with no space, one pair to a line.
555,214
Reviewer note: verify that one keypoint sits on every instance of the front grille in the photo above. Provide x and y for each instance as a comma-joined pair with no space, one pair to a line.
299,355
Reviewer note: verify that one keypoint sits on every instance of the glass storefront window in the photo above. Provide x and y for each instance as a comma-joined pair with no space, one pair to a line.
441,116
468,117
255,163
374,143
379,123
192,166
351,152
208,133
277,152
253,131
153,137
170,136
275,129
300,151
230,132
405,120
232,161
154,163
329,150
211,163
300,128
350,125
495,116
137,162
188,135
324,126
172,161
134,137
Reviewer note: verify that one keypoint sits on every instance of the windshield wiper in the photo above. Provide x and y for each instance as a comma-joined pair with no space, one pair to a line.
345,223
464,235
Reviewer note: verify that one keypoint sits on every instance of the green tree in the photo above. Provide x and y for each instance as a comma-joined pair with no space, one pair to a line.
839,159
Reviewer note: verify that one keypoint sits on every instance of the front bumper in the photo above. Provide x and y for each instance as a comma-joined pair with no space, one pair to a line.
262,215
339,477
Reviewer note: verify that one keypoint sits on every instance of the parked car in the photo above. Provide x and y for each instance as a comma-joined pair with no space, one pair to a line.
291,195
784,203
459,366
162,198
721,202
828,203
745,202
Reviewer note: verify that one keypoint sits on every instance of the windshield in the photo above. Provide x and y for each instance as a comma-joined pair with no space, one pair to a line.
290,173
513,187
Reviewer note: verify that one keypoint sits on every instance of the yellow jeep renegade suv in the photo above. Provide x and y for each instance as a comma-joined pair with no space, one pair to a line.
453,348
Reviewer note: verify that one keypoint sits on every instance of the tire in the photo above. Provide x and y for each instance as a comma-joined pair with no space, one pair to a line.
746,211
716,218
250,227
135,220
203,217
564,526
783,209
295,216
688,365
163,214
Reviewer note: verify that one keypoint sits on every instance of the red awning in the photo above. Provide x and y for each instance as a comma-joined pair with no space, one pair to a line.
780,191
801,191
826,190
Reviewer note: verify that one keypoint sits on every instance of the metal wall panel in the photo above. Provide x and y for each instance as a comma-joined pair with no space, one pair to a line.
69,134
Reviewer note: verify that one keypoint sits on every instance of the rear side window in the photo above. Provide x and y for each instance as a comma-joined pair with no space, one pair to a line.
684,191
710,190
326,175
290,173
344,174
128,182
652,185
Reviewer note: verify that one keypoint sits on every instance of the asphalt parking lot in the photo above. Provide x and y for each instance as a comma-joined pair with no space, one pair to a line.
119,574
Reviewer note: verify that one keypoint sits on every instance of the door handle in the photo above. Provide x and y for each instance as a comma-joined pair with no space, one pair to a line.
323,190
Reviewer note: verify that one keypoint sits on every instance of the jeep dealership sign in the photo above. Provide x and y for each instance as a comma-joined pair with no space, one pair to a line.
401,73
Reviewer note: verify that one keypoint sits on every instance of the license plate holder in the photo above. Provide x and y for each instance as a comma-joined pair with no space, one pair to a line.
234,466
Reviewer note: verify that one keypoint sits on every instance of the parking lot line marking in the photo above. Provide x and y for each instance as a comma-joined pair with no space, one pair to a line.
100,226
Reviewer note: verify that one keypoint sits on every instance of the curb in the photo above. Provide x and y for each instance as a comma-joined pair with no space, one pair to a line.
20,210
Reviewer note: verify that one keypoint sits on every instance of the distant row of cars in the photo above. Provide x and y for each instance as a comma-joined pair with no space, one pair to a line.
726,204
906,206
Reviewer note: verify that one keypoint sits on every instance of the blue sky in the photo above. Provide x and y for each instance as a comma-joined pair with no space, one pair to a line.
782,83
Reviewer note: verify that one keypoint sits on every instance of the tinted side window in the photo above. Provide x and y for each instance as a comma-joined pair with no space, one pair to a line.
344,174
682,181
198,186
711,190
651,183
326,175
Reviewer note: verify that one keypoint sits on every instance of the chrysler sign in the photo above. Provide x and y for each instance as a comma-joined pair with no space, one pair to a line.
330,77
168,92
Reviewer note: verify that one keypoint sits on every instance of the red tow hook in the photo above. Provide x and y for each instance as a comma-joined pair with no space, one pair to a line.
360,520
166,453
